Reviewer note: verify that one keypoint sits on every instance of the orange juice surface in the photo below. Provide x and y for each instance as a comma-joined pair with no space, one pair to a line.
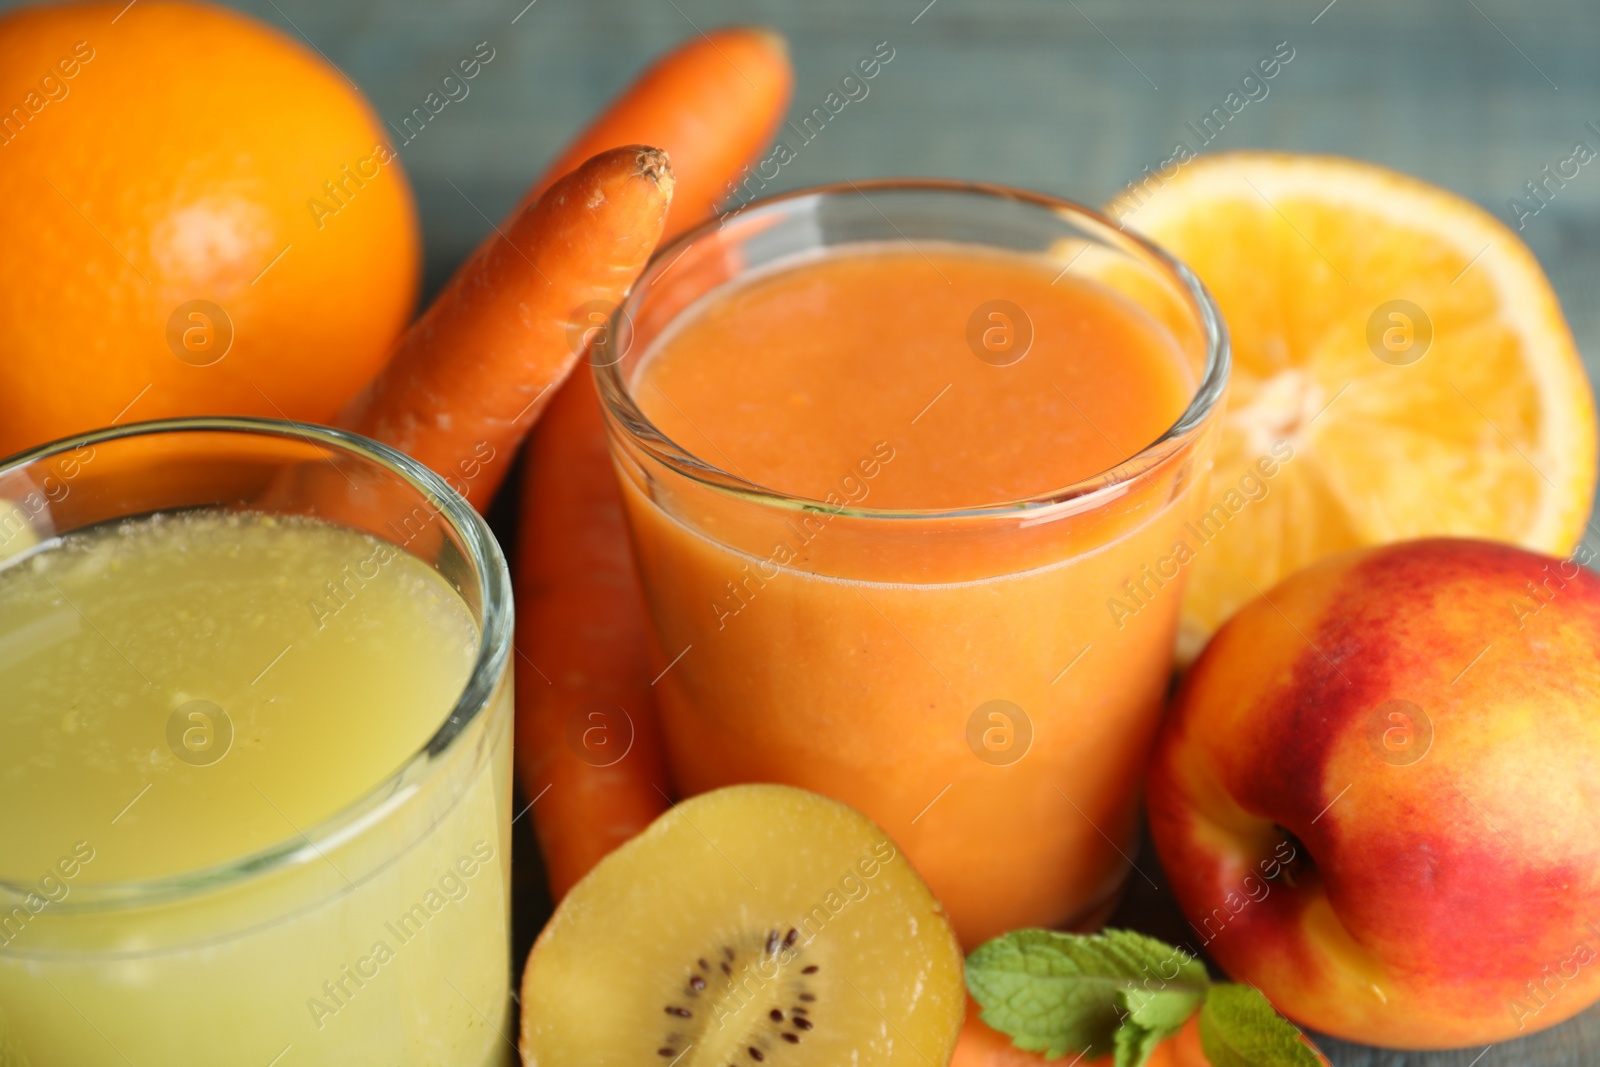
787,380
971,691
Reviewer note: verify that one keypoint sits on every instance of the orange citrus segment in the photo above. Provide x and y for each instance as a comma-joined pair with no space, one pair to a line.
1398,346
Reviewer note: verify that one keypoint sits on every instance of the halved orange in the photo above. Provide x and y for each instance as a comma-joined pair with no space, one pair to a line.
1401,366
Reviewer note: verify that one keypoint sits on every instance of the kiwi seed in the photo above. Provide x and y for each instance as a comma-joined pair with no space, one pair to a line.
776,946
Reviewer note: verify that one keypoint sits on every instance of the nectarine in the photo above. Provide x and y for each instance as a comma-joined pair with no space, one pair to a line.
1376,794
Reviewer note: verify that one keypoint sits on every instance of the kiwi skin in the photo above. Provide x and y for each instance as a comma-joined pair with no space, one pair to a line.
905,1004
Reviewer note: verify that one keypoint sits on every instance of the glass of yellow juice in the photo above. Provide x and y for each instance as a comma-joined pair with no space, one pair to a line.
255,790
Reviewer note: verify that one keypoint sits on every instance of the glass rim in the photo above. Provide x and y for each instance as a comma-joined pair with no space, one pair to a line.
621,408
488,668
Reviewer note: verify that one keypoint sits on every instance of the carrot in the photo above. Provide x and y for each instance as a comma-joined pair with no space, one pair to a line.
471,375
713,104
581,616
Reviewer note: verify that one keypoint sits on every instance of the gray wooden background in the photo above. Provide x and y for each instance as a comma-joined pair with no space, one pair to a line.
1071,97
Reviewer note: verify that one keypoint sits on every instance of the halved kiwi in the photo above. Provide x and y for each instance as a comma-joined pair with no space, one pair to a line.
757,924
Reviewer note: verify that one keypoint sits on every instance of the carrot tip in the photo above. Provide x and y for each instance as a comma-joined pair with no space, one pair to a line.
654,164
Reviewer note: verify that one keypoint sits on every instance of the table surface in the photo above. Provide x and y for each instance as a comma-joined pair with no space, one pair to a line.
1071,98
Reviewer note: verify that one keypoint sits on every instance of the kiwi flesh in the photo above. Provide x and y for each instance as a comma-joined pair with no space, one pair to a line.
756,924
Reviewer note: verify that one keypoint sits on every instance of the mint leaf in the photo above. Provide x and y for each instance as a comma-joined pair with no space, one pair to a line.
1240,1028
1151,1016
1165,1008
1056,993
1134,1044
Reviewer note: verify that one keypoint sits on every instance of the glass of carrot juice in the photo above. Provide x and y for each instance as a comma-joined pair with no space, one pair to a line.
254,754
908,467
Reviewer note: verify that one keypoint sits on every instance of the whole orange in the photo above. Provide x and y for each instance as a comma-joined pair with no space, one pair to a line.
200,216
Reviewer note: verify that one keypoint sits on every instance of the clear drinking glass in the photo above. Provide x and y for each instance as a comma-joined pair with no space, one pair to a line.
274,957
954,674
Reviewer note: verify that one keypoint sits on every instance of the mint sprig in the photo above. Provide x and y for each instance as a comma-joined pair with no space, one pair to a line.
1122,993
1151,1016
1239,1028
1056,993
